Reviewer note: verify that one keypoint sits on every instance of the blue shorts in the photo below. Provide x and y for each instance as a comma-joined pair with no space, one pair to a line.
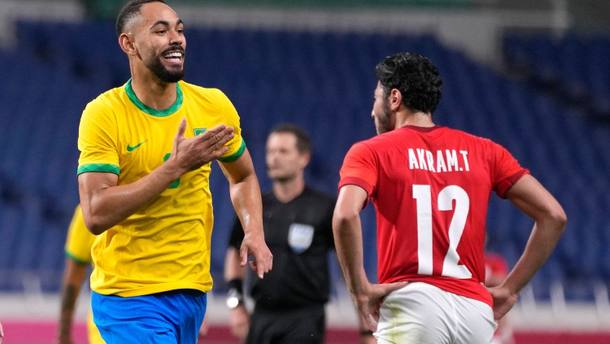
169,317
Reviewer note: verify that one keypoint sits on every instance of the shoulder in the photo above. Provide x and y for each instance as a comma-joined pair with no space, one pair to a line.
107,102
319,196
463,135
210,94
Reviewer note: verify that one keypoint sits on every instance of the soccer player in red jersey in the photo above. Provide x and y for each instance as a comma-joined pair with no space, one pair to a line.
430,186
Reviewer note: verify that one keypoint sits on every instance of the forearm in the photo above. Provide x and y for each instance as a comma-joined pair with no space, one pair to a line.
74,276
246,199
348,245
542,242
111,204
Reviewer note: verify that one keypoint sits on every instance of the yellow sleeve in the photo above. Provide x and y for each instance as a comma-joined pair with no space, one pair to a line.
79,240
237,145
97,135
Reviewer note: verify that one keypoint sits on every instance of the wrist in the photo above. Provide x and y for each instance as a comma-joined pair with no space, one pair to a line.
235,294
172,170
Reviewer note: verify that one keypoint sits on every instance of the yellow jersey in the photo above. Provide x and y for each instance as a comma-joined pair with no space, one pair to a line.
79,239
166,244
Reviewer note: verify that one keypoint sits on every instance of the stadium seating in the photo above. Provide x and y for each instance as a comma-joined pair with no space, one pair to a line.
573,66
321,81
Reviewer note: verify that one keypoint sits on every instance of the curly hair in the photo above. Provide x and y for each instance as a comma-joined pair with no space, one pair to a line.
415,77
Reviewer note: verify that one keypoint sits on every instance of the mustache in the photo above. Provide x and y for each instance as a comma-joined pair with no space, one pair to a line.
178,48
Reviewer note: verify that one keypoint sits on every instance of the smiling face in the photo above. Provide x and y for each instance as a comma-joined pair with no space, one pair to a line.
157,41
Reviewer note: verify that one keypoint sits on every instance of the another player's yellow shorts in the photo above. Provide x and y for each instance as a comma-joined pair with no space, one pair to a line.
92,333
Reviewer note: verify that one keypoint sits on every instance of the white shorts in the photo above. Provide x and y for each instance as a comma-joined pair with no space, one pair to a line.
422,313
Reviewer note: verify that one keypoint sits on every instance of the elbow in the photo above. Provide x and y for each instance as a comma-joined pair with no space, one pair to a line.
342,219
95,228
94,224
557,217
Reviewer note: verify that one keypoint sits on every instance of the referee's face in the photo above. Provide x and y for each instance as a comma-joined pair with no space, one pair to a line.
284,161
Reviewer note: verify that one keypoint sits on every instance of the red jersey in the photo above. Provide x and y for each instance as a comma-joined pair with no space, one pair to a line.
431,188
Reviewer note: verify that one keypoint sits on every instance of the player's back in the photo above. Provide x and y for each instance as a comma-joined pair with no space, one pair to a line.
431,194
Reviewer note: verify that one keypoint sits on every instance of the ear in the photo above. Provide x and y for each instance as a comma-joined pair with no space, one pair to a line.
395,99
127,44
305,158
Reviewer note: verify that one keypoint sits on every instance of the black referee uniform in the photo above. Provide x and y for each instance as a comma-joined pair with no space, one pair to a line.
289,301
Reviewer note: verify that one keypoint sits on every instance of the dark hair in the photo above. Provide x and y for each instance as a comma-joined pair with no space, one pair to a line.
303,141
128,11
415,77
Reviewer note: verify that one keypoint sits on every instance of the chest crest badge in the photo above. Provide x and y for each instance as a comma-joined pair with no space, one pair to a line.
300,237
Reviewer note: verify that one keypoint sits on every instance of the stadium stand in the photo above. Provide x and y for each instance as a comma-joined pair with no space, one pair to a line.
323,82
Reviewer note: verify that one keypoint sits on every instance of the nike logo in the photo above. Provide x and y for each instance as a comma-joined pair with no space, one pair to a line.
132,148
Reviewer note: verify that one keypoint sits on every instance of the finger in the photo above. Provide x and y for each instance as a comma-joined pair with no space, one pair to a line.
371,323
181,128
220,151
390,287
243,255
210,133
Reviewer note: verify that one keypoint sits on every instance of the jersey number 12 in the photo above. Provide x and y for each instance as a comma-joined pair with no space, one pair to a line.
422,196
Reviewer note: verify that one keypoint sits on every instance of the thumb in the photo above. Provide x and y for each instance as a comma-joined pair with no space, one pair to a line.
390,287
243,255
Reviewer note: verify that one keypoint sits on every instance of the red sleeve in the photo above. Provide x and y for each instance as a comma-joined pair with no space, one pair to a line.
506,171
359,168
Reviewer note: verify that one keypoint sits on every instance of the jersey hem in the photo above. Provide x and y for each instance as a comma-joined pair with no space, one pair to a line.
358,182
240,151
104,168
155,289
505,184
76,259
468,288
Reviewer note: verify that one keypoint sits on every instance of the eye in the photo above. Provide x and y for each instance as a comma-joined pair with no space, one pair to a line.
160,32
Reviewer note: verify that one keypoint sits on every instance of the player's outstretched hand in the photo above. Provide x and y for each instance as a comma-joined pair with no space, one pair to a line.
370,299
255,251
191,153
504,300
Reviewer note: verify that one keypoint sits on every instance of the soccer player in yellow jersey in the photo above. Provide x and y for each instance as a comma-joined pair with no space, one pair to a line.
78,258
144,189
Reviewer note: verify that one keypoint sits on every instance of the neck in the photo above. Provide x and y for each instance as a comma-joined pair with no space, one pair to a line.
418,119
286,191
151,91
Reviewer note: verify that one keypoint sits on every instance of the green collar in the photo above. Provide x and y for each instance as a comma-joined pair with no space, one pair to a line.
154,112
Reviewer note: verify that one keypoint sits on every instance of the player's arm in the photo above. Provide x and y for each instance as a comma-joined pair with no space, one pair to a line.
105,203
234,273
533,199
74,276
347,230
246,198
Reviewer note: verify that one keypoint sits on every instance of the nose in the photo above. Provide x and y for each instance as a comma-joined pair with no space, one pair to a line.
176,38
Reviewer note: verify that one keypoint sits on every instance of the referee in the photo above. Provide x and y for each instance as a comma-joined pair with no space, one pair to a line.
289,302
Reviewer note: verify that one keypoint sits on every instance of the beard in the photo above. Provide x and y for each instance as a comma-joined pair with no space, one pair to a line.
383,122
163,73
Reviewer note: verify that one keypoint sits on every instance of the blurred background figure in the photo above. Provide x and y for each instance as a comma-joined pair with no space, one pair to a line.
78,262
289,303
496,270
532,76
